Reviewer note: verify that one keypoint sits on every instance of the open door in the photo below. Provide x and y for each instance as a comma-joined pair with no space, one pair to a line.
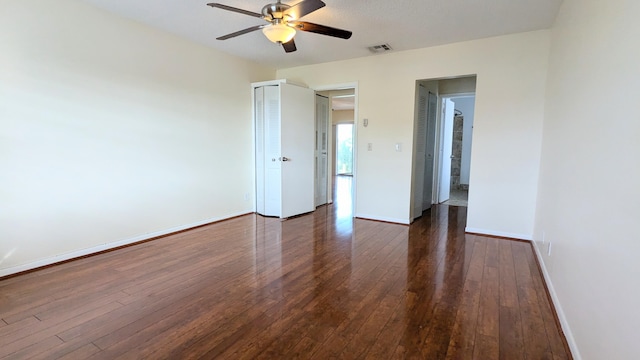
297,157
446,144
420,152
321,149
284,124
432,112
426,111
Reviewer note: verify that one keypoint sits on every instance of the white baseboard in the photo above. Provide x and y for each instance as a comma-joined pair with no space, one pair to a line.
528,237
95,249
556,303
382,218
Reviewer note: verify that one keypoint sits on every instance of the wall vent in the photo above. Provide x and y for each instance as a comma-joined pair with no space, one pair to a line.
380,48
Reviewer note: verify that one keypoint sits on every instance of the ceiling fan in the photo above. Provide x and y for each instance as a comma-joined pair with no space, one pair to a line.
283,21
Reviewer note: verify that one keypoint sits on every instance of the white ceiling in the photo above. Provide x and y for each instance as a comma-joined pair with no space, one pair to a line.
403,24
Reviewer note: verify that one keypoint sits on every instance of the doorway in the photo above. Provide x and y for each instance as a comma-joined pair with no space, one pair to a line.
442,142
462,129
342,149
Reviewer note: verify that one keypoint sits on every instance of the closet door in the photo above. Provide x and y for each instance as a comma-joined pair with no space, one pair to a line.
297,148
321,149
272,157
261,157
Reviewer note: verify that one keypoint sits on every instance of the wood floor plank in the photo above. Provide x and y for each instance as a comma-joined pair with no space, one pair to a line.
511,343
486,347
422,305
537,344
43,330
489,312
559,347
493,255
17,331
508,286
318,286
71,351
463,337
83,352
388,338
442,322
358,306
386,302
33,349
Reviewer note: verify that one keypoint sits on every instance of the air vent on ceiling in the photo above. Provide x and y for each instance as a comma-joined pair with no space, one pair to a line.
380,48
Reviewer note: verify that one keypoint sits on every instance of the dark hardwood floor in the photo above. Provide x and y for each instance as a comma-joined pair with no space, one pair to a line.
318,286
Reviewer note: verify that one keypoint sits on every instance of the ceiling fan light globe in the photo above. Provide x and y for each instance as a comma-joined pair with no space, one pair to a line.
279,33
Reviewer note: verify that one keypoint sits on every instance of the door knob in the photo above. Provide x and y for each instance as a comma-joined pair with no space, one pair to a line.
284,158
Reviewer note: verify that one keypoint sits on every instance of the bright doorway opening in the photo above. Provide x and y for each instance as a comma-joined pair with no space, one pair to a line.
344,149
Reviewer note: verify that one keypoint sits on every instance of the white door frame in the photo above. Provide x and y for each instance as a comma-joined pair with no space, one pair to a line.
356,123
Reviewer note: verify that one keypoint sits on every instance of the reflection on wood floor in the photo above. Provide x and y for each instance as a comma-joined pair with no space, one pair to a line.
319,286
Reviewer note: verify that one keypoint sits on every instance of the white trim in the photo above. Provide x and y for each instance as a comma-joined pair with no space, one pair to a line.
342,86
345,121
107,246
459,95
276,82
573,347
528,237
383,218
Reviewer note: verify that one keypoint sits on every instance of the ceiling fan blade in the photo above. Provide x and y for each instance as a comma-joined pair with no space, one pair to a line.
303,8
241,32
234,9
321,29
289,46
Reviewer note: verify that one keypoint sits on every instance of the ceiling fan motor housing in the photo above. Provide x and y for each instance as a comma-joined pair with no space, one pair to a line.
275,11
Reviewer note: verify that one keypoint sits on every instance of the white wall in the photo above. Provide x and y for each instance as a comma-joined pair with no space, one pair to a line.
457,86
589,194
111,131
342,116
466,105
511,74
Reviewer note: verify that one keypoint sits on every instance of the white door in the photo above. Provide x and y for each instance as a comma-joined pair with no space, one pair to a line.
420,152
297,106
321,148
445,150
260,151
432,112
272,164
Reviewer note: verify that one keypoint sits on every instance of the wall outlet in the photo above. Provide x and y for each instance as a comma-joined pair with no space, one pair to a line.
246,196
370,147
398,147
